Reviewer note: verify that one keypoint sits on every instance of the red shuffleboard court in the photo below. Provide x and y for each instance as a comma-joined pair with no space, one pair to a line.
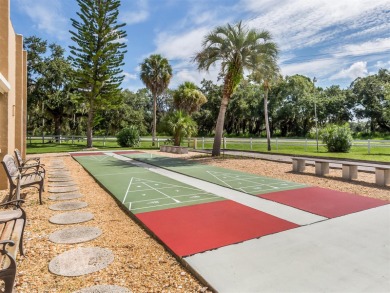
87,154
193,229
128,152
324,202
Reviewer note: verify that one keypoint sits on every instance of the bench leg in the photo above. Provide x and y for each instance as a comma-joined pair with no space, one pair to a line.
322,168
9,280
382,176
299,165
349,172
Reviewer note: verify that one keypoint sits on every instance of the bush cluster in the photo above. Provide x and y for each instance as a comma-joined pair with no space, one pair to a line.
337,138
128,137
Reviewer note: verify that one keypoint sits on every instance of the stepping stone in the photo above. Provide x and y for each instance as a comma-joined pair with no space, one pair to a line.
81,261
63,189
68,206
62,184
75,235
65,196
67,174
62,173
57,167
104,289
71,218
61,179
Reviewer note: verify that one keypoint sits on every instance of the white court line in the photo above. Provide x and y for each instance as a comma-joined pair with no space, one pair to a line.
121,173
128,187
219,179
96,158
269,185
201,199
175,200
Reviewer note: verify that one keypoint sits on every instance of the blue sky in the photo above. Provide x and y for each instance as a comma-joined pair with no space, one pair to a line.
335,41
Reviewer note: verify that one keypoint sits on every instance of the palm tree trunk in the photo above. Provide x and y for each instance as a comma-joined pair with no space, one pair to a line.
227,91
266,119
219,128
154,119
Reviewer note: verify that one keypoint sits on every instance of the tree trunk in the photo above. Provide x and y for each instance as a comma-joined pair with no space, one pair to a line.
57,128
154,119
90,126
266,118
227,92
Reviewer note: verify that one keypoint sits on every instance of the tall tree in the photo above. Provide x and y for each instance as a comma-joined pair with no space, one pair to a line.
372,94
188,98
97,55
50,78
267,73
156,73
236,48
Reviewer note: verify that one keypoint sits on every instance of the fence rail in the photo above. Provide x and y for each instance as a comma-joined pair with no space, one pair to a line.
227,143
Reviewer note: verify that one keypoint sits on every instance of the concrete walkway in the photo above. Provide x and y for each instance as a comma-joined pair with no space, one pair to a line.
345,254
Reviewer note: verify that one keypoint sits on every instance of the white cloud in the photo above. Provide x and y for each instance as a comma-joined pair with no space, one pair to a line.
302,23
382,64
317,68
365,48
357,69
129,76
141,14
180,46
47,16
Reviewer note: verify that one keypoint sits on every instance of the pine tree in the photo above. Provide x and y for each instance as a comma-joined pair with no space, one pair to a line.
97,55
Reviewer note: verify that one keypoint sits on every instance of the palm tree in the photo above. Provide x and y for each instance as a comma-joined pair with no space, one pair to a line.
236,48
180,124
268,73
156,73
188,98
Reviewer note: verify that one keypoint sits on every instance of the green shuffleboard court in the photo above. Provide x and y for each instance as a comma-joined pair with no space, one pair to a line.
245,182
141,190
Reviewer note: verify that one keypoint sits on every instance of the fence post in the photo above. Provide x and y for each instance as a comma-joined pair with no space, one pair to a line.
195,143
369,146
104,140
72,139
158,142
306,145
224,143
202,142
251,143
277,145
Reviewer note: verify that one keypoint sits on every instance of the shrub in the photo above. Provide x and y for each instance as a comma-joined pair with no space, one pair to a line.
337,138
128,137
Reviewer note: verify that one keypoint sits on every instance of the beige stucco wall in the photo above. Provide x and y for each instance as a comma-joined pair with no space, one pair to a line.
13,99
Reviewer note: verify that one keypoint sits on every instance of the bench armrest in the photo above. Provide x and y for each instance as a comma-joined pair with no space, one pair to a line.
15,202
4,243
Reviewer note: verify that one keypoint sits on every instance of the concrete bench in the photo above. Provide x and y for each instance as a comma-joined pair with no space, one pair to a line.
349,169
12,224
173,149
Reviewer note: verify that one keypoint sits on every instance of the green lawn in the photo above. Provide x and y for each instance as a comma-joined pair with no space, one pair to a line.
381,154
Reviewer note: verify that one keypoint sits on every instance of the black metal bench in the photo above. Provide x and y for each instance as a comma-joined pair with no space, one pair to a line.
27,164
30,176
349,169
12,224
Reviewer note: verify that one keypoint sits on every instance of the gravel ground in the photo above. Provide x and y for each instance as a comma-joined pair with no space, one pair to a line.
141,264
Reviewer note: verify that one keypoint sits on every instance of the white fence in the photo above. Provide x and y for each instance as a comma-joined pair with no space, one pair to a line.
228,143
277,143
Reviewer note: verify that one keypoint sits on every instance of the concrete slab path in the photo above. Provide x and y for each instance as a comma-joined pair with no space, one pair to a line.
346,254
